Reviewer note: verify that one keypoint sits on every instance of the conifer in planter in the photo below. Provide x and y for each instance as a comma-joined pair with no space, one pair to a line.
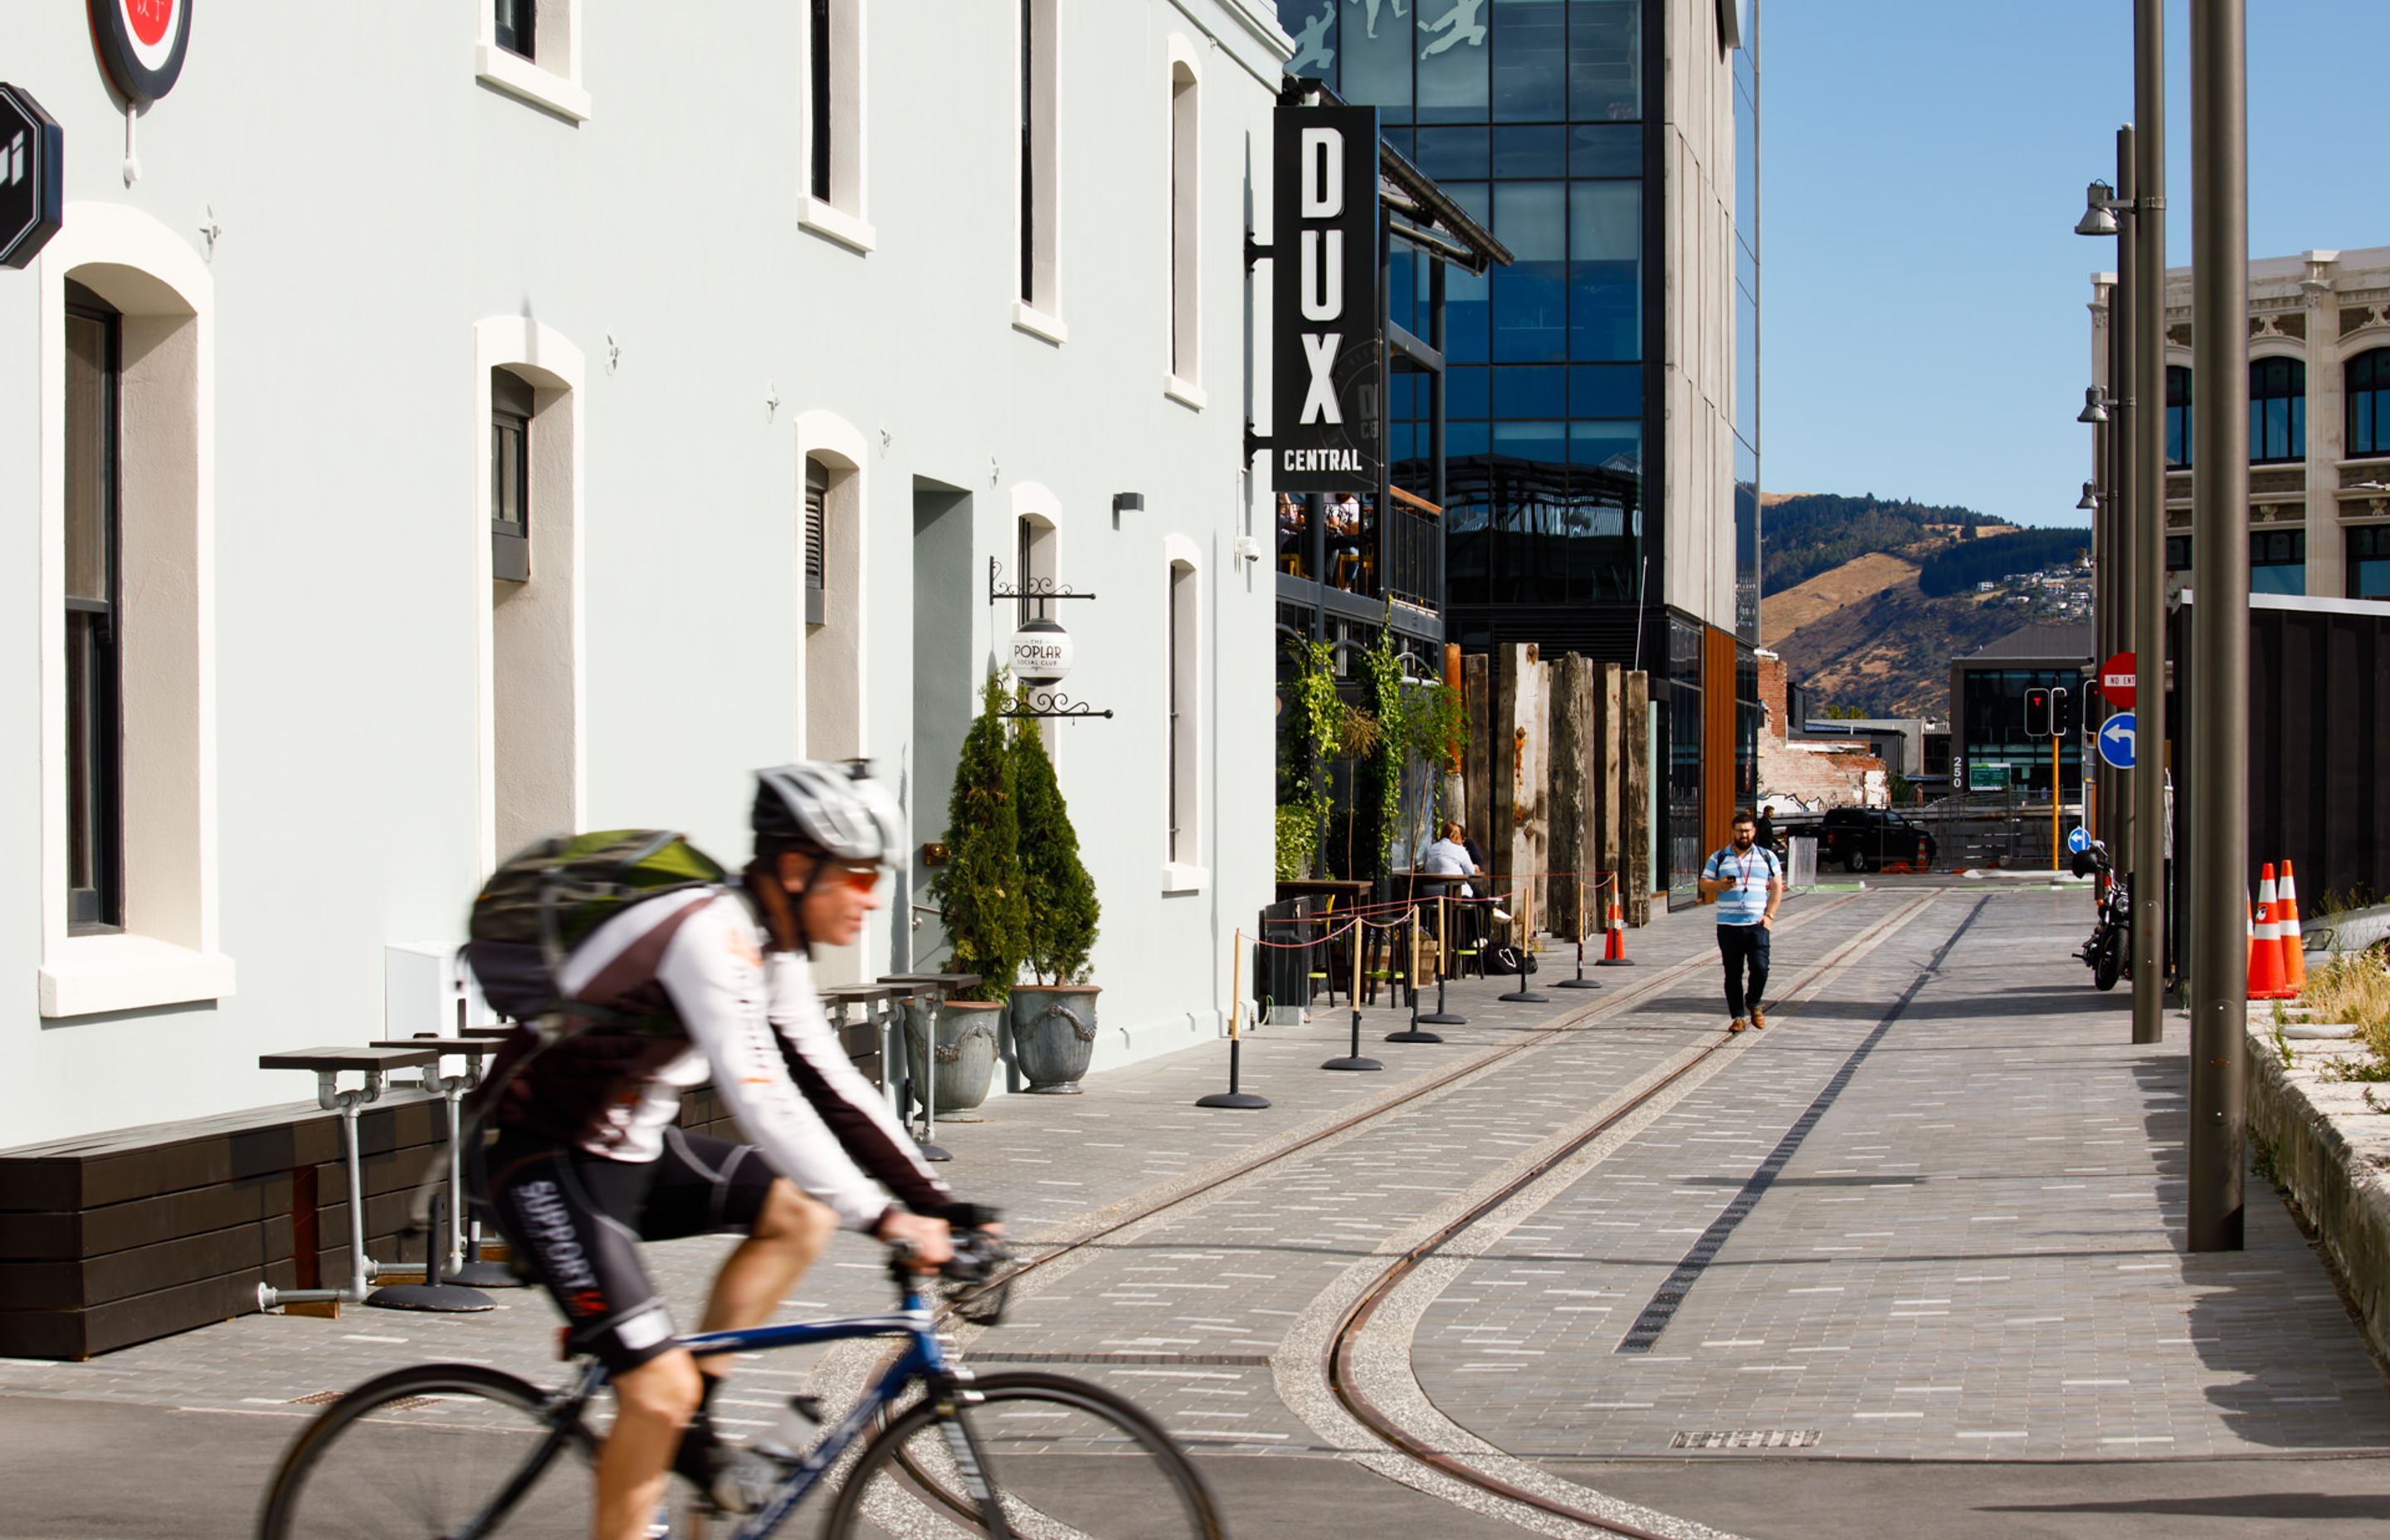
1054,1017
982,894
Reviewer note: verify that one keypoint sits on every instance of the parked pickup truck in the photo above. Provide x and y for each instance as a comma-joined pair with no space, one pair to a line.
1860,839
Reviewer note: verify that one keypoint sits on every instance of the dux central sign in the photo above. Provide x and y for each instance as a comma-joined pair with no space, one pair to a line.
1327,431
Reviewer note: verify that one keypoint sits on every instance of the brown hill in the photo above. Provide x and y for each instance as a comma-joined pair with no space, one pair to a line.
1781,614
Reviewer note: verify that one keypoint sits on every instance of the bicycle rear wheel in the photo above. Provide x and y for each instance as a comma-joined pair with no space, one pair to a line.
435,1452
1070,1459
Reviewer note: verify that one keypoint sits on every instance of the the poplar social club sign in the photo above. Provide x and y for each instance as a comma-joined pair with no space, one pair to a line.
1326,433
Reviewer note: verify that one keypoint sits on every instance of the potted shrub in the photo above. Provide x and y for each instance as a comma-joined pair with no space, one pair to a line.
1053,1016
982,895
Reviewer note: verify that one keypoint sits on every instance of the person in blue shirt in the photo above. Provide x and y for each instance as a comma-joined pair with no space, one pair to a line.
1748,882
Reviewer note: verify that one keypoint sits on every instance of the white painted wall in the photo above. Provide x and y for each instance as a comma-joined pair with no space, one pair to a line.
371,216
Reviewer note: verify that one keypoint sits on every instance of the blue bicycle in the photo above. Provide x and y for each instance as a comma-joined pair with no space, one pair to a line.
457,1451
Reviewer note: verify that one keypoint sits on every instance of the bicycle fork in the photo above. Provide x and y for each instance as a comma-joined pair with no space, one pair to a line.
962,1447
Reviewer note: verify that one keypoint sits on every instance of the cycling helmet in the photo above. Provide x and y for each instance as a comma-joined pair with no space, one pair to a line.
836,809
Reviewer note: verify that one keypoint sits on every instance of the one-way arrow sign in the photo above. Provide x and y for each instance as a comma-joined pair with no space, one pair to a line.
2116,740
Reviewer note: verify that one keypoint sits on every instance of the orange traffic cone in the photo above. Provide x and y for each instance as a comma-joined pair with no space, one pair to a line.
2294,952
1613,950
2266,943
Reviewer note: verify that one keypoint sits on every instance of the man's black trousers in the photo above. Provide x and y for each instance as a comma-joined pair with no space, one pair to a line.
1744,948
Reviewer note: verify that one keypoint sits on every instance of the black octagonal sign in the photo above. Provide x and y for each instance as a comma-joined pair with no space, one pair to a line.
33,179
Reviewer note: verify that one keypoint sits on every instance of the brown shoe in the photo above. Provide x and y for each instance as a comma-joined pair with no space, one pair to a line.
1735,1025
1759,1017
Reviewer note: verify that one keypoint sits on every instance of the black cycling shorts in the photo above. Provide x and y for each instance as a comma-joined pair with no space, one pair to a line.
574,1221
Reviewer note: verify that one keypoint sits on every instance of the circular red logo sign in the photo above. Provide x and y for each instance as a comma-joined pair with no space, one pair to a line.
141,44
150,18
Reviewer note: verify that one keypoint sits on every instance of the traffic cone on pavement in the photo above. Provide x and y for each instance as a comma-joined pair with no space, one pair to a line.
1613,951
2295,953
2266,943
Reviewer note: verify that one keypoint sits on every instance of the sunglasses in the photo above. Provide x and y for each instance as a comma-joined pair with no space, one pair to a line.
862,878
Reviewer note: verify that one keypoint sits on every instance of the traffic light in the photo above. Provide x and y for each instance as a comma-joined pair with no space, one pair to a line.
2037,714
2062,711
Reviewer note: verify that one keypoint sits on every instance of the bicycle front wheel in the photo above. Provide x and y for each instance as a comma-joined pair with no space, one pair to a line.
435,1452
1068,1458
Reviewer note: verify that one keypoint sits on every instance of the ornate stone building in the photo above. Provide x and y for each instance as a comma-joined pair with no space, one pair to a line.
2318,420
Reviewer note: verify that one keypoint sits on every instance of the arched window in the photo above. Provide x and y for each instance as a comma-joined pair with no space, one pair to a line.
2278,410
2177,416
2368,379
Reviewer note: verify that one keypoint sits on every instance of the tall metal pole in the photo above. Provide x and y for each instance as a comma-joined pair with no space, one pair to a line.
2218,955
2116,513
2147,521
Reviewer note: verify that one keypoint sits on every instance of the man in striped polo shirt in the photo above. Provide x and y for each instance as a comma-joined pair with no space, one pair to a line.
1748,882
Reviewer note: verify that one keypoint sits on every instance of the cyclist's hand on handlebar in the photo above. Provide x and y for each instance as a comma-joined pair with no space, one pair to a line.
927,1244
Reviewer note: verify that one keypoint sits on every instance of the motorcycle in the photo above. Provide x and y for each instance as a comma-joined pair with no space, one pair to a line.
2108,953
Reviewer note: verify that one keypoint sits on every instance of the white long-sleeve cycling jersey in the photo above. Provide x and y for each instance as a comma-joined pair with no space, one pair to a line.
754,1026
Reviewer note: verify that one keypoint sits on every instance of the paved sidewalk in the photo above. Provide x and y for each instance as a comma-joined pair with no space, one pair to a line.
1949,1231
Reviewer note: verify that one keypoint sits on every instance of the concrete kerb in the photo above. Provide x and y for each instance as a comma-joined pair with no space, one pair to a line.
2330,1150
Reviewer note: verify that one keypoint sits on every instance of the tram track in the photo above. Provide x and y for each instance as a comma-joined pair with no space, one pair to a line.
1563,1507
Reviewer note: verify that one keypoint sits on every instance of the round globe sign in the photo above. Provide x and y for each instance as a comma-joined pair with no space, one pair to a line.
1042,652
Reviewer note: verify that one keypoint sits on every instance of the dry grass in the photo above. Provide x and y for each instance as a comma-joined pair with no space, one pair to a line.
2356,988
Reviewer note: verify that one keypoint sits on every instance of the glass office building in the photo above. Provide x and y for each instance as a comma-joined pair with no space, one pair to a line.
1544,120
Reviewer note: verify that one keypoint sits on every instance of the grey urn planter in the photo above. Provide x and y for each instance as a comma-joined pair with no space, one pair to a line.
966,1050
1054,1035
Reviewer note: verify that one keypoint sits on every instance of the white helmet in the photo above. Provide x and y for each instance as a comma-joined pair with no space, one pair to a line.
836,809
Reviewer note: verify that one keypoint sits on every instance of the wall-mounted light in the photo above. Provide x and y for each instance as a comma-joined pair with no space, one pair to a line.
1126,502
2095,406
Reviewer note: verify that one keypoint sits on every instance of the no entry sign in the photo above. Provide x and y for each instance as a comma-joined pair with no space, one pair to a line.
2118,680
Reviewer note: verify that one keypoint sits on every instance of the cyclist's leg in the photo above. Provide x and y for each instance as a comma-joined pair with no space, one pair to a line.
704,1185
652,1405
570,1214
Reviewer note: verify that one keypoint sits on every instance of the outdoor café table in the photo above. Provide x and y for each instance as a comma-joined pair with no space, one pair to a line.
878,1003
329,1064
937,989
465,1264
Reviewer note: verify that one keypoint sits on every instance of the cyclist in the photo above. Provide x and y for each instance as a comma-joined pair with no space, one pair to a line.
587,1160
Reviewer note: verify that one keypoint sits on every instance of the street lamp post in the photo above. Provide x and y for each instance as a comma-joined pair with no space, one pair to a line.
2219,707
2117,519
2145,519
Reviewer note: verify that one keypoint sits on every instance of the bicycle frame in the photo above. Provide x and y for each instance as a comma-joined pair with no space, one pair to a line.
923,1358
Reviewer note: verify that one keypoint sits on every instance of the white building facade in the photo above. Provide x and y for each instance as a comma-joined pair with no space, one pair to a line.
443,425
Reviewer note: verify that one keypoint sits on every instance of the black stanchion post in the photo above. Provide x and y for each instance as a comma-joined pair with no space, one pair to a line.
1580,982
1412,1033
1441,1017
1353,1060
1523,994
1233,1098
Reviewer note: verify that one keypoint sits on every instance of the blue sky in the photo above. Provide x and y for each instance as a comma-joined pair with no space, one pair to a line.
1923,332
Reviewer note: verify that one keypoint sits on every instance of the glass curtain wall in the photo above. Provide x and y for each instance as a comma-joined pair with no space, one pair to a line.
1529,113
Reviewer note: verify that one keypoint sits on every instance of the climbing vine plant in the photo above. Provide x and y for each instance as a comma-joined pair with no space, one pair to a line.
1318,723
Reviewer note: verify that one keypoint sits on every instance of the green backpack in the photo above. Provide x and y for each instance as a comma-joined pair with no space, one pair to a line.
547,898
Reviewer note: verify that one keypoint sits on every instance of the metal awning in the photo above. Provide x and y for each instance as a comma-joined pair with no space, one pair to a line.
1428,217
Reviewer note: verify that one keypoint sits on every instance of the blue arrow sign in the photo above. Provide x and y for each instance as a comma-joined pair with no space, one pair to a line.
2116,740
2077,840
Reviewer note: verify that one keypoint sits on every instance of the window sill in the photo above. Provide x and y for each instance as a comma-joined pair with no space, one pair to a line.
829,220
1036,323
517,76
90,974
1177,878
1184,392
